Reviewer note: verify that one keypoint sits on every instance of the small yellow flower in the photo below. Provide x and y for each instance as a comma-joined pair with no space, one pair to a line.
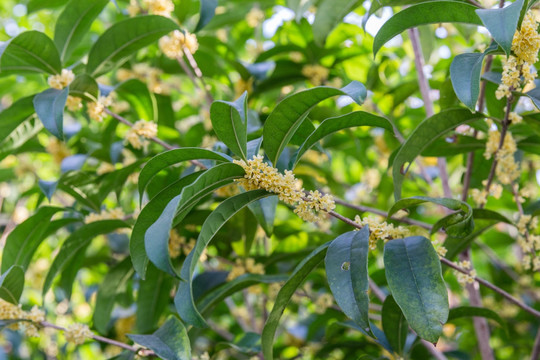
323,302
58,150
116,214
139,132
74,103
77,333
254,17
316,74
133,8
96,109
381,230
526,41
173,46
160,7
61,80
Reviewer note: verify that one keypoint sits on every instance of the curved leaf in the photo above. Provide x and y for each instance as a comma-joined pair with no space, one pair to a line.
289,114
331,125
49,106
425,13
229,121
169,342
425,133
297,277
329,14
123,39
12,284
29,52
394,324
136,93
207,12
346,265
73,24
173,157
473,311
465,72
183,300
414,276
15,115
85,87
152,299
79,239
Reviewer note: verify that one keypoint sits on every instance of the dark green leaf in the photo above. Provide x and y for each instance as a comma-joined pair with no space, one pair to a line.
169,342
425,13
31,51
123,39
85,87
152,299
329,14
265,213
414,276
207,12
73,24
465,73
35,5
346,265
229,120
394,324
48,188
534,95
183,300
12,284
49,106
289,114
472,311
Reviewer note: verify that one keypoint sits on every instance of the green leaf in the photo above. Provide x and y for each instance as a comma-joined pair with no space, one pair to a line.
152,299
29,52
289,114
414,276
346,265
329,14
169,342
465,72
113,283
35,5
149,214
48,188
265,213
23,241
458,224
502,23
123,39
85,87
534,95
331,125
425,133
425,13
183,300
49,106
229,120
156,238
473,311
79,239
207,12
136,93
394,324
73,24
12,284
297,277
10,118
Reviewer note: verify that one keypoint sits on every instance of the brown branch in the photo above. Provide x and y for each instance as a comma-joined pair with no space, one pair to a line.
536,348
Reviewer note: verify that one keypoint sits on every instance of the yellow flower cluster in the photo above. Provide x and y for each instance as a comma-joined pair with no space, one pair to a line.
160,7
507,169
316,74
260,175
105,168
9,311
57,149
133,8
96,109
514,118
528,242
323,302
73,103
173,46
113,214
61,80
227,191
139,132
242,267
462,278
77,333
254,17
381,230
480,195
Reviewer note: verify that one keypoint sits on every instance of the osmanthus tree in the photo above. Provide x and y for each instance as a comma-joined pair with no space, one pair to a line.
264,179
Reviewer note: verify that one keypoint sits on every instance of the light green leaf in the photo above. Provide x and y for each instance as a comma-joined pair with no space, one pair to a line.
297,277
183,300
152,299
169,342
29,52
79,239
113,283
85,87
229,121
331,125
346,265
74,22
465,72
414,276
329,14
24,240
123,39
207,12
432,12
136,93
425,133
394,324
10,118
289,114
502,23
35,5
473,311
12,284
49,106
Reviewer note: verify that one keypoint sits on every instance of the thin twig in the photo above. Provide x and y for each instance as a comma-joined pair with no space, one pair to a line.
536,348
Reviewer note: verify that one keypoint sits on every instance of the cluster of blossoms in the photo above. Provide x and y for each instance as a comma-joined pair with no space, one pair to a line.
260,175
74,103
9,311
58,150
113,214
254,17
147,74
462,278
480,195
227,191
139,132
381,230
77,333
96,109
316,74
528,242
323,302
61,80
155,7
105,168
525,46
178,245
242,267
507,169
173,46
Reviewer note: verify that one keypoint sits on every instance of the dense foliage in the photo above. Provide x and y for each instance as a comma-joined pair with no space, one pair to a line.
318,179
